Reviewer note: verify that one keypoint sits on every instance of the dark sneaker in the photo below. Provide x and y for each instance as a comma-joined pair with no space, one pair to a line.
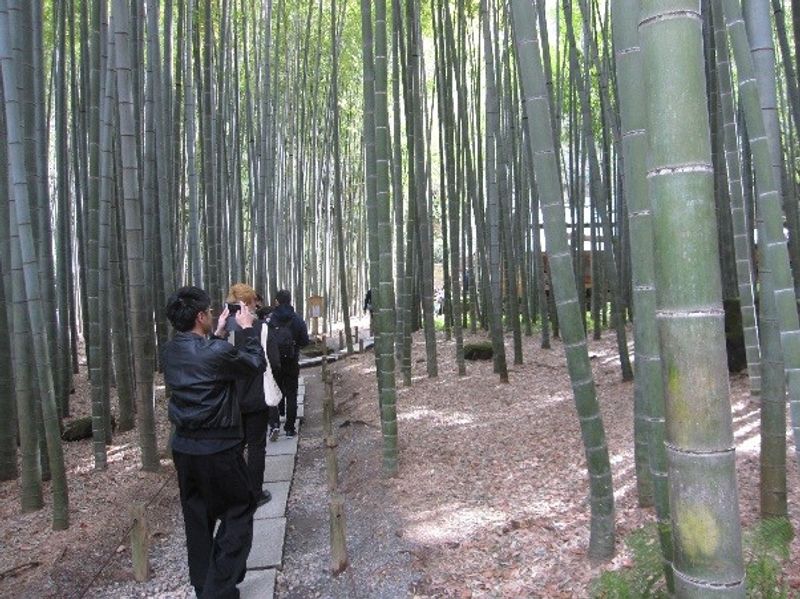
264,498
273,433
291,433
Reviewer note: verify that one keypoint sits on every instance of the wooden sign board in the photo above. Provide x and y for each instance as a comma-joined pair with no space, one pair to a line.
316,304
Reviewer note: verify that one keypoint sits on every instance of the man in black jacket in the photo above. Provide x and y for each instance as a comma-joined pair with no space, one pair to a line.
213,479
284,317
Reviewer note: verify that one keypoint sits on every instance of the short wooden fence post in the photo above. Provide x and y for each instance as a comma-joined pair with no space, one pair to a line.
140,543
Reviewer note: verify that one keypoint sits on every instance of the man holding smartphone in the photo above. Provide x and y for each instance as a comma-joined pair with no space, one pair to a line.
201,372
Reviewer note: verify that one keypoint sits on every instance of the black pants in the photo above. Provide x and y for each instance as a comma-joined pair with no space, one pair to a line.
216,487
255,439
287,381
274,417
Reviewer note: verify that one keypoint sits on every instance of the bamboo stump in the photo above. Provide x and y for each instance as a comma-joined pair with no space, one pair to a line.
341,339
356,333
361,346
140,543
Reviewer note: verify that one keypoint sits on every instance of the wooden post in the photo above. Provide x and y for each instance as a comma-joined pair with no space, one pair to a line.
140,543
339,561
327,406
324,358
341,339
356,333
361,346
315,326
331,464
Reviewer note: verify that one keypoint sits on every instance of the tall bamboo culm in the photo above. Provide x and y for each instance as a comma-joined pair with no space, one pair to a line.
541,147
704,500
773,242
386,296
140,300
648,385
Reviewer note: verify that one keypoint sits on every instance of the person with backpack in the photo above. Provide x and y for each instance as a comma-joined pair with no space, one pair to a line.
287,334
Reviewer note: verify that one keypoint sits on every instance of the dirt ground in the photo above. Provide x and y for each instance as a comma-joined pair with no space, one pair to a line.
490,499
491,496
37,562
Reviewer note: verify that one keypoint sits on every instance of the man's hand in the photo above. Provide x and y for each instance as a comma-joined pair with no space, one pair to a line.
223,318
244,317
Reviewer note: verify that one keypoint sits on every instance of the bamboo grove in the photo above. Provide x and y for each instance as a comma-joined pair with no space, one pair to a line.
330,147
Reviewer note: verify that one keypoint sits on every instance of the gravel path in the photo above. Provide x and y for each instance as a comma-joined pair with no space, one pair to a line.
379,555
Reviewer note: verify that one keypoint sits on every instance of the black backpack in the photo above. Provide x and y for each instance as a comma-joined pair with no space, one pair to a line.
281,347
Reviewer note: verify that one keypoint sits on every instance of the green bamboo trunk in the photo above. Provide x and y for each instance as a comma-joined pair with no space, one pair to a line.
165,260
370,172
386,297
739,214
700,448
772,457
771,237
408,300
31,498
599,187
510,260
63,241
648,386
99,354
8,424
758,24
140,300
41,207
541,143
22,226
337,187
208,151
190,129
422,214
494,167
397,181
120,329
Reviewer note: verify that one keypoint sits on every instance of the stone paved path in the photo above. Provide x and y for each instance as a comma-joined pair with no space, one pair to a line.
269,527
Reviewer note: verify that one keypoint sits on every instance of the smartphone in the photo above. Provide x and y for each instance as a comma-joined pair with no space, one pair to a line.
233,309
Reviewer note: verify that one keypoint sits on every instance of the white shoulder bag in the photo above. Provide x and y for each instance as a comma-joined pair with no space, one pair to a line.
272,393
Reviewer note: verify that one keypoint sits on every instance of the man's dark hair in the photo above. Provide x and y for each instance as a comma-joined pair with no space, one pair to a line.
284,297
184,305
